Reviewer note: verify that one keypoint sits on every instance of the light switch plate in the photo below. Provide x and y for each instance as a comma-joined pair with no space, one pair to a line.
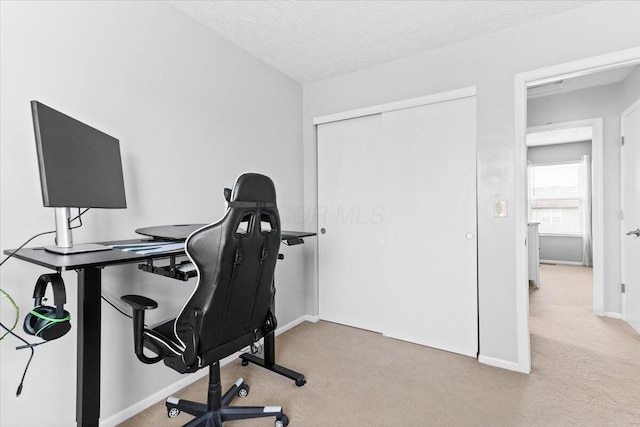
500,209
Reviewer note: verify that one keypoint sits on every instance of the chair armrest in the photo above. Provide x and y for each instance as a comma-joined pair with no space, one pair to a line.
139,304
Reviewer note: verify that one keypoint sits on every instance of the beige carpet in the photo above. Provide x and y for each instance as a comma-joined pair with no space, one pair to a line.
586,372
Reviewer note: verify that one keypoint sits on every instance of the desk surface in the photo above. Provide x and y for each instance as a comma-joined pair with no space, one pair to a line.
181,232
105,258
83,260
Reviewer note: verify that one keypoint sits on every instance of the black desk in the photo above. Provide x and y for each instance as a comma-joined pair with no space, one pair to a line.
88,318
181,232
89,266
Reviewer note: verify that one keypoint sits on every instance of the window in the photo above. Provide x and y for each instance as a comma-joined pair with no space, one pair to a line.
556,197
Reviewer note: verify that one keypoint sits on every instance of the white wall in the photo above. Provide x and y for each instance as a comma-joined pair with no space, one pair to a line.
490,63
631,88
191,111
605,102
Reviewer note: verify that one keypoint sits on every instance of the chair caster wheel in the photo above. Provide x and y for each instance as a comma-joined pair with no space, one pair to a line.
282,421
243,391
173,412
300,382
245,362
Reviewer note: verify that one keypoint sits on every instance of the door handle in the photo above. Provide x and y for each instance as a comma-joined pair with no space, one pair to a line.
636,232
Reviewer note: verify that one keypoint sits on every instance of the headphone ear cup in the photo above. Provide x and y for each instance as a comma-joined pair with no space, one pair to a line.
29,324
33,323
43,328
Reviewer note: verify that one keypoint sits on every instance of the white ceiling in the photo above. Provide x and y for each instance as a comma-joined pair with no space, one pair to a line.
314,40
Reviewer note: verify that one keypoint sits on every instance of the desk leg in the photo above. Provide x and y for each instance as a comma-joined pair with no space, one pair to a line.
269,361
88,352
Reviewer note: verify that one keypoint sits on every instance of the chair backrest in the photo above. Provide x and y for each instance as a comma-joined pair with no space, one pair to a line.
235,259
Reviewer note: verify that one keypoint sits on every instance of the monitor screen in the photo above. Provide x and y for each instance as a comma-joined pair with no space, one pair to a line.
80,167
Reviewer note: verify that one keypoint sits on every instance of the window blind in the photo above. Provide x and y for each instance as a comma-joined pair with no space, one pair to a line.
556,197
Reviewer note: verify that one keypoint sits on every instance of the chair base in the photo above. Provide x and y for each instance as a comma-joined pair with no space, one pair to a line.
217,409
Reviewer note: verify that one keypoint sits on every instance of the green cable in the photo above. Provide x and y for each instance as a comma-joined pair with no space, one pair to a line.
15,322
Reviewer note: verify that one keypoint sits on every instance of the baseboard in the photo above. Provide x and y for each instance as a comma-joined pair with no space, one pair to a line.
156,397
296,322
551,261
613,315
312,319
499,363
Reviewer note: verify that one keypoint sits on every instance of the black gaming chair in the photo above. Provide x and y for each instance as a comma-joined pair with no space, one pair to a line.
230,307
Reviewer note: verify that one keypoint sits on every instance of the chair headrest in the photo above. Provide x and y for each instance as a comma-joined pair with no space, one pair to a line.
253,187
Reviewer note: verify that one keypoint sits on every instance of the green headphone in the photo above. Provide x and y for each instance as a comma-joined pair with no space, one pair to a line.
48,323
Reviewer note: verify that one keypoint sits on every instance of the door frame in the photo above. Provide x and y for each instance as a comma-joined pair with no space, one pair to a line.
521,82
450,95
623,236
597,199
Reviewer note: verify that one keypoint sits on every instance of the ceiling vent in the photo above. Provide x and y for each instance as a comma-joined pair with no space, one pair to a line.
545,88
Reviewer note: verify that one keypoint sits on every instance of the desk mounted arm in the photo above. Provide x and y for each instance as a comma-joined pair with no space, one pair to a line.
139,304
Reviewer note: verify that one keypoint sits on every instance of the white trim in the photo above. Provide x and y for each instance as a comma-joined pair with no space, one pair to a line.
560,126
522,81
312,319
552,261
161,395
398,105
613,315
521,218
499,363
296,322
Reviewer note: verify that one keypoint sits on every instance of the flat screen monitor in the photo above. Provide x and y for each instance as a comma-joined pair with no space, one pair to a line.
80,167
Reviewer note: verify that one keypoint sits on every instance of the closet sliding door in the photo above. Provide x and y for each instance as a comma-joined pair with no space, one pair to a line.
353,261
397,204
431,221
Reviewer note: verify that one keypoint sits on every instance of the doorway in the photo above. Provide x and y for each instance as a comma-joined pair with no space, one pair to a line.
565,197
523,82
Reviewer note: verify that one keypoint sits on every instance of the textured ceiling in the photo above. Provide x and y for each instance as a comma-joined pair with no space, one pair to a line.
314,40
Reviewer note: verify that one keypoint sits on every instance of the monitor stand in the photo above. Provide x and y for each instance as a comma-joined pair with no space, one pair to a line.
64,239
77,249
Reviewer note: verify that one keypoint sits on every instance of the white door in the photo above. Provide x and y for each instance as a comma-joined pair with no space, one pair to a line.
397,204
432,297
630,181
351,197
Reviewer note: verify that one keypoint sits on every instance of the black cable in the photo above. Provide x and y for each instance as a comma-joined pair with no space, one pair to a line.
78,217
24,244
112,305
24,374
10,331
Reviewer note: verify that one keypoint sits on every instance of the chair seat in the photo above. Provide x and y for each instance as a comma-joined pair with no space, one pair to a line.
162,339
